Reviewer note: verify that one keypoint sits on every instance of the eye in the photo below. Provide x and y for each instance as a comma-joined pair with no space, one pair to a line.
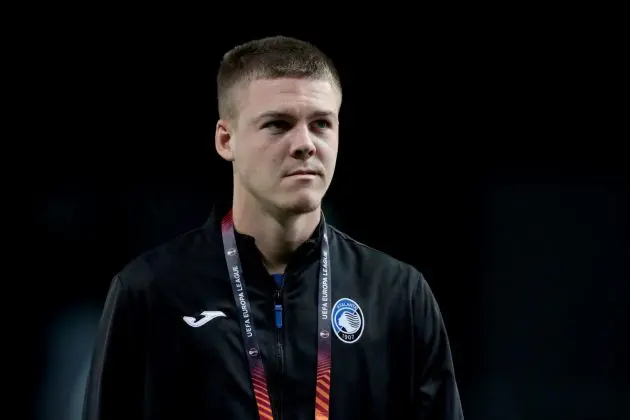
322,124
277,126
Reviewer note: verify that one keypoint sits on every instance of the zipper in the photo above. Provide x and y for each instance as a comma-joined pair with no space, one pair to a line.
278,316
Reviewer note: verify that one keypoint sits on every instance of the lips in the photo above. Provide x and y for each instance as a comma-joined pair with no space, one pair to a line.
304,172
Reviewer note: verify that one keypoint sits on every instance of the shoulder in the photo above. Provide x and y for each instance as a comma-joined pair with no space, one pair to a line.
371,260
141,272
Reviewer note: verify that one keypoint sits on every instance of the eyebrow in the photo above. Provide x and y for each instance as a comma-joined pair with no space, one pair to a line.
282,115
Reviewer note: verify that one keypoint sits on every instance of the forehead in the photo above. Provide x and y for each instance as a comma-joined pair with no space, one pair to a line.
288,95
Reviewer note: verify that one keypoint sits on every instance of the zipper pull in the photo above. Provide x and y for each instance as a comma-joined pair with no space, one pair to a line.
278,309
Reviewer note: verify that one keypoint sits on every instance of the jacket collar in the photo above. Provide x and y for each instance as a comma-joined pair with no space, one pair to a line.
250,255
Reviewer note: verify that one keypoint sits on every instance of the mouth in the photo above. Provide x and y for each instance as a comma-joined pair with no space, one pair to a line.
304,172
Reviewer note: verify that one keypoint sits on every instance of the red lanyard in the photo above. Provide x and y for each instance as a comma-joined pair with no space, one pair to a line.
256,368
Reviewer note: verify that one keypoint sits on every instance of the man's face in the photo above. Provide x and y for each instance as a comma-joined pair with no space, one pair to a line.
284,143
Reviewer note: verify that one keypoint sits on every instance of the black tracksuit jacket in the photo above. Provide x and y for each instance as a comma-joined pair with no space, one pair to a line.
150,364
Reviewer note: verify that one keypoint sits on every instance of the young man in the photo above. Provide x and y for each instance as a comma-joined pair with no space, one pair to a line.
267,311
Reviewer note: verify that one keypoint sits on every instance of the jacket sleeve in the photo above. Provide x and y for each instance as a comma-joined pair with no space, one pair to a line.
115,382
436,395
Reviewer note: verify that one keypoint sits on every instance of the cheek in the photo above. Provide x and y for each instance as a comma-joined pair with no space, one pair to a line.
262,163
276,162
328,152
248,154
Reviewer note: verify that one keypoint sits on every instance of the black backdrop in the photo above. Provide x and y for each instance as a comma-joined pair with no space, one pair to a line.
489,156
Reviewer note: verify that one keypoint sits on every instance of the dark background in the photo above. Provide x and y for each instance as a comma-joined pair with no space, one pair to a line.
487,153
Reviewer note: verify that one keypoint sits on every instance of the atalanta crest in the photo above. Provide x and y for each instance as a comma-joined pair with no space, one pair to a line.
347,320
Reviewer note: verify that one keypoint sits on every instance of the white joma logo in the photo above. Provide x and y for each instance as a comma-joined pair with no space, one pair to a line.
206,316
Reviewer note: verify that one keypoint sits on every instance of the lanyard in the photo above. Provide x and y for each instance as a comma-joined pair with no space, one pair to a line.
256,368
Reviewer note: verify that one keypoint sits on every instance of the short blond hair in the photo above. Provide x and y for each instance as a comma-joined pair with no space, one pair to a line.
270,58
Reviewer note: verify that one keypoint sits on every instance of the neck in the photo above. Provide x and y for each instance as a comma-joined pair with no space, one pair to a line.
277,235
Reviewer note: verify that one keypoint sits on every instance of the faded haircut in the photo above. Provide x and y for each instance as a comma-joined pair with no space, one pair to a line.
269,58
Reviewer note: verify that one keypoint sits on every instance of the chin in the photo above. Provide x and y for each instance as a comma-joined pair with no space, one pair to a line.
304,203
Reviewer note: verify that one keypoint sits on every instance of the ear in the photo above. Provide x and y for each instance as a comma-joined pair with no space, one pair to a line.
222,140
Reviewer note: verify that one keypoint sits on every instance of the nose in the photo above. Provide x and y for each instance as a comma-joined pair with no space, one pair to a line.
302,145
